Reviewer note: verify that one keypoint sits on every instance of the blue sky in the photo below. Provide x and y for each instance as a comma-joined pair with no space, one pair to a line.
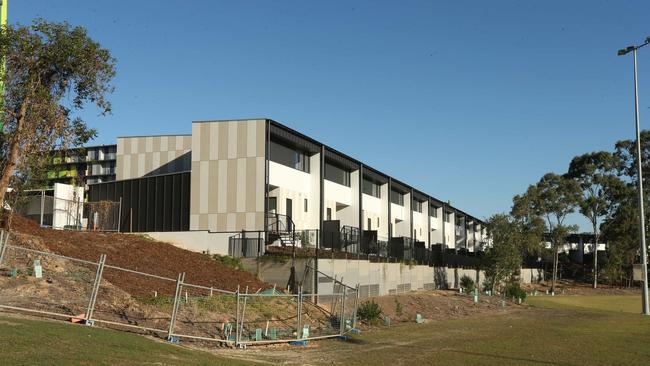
488,96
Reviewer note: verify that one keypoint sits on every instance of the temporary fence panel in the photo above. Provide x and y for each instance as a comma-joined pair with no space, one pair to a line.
134,300
102,216
36,281
98,293
276,315
205,313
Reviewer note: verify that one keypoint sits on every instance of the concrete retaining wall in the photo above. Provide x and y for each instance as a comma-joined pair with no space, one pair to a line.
374,279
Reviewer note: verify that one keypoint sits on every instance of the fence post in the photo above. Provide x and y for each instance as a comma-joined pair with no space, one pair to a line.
96,284
356,308
177,295
242,246
243,314
42,205
3,244
342,322
119,217
299,313
237,320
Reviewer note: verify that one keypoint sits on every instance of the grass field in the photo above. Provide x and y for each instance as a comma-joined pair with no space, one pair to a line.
41,342
623,304
555,331
562,330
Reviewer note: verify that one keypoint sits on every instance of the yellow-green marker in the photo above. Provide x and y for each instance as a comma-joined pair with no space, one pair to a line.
3,24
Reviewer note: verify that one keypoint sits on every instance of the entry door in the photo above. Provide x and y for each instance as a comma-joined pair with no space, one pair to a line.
289,208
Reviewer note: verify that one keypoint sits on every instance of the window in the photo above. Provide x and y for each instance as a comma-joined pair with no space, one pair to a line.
371,188
369,224
337,175
290,157
396,198
433,211
329,214
273,204
446,216
378,223
306,206
417,206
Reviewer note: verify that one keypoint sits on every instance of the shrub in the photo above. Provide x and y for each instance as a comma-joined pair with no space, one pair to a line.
369,311
467,283
229,261
398,308
513,290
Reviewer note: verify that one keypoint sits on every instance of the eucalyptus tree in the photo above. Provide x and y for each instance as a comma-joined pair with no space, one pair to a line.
600,191
620,230
553,198
52,71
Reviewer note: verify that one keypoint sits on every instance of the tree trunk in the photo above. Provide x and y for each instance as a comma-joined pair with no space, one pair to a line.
12,155
595,256
555,258
9,169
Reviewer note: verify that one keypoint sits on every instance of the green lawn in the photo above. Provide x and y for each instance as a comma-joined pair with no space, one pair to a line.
42,342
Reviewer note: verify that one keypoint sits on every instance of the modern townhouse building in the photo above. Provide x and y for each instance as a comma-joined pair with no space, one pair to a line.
260,176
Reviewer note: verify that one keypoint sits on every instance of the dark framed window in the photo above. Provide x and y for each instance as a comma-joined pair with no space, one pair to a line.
288,156
396,198
369,223
371,188
273,204
446,216
306,205
329,214
433,211
337,175
417,206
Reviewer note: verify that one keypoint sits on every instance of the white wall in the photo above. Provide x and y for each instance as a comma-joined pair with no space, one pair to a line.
450,231
297,186
67,205
349,214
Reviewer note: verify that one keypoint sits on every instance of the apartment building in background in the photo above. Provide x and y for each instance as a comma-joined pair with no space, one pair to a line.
247,175
82,166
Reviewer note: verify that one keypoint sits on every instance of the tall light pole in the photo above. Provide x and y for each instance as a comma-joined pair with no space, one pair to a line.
644,260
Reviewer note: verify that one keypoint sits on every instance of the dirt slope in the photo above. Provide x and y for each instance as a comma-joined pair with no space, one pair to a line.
140,254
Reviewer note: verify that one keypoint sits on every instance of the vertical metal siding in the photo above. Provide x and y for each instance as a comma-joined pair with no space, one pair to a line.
157,203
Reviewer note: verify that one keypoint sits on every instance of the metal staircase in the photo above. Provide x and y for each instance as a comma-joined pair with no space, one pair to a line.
282,228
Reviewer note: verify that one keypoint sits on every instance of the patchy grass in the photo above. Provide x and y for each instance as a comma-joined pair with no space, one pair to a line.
41,342
562,330
618,303
229,261
553,335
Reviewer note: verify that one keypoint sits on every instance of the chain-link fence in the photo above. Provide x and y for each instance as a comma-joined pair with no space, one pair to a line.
41,282
59,213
